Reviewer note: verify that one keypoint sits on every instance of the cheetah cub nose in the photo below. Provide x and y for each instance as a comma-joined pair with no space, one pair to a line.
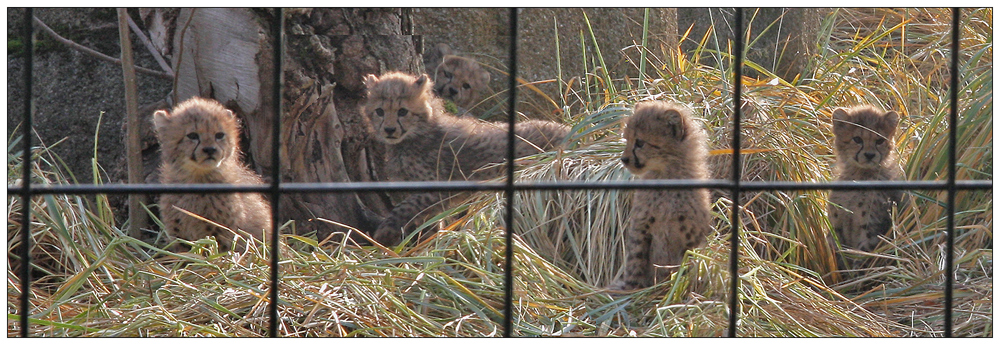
870,156
452,92
209,150
625,160
390,130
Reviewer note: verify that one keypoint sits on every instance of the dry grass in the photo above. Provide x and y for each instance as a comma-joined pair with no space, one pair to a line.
93,280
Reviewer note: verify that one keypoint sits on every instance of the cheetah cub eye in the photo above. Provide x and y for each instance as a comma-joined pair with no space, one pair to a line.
639,143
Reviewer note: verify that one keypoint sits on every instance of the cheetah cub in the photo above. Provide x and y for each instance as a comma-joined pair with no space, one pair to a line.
663,142
458,79
199,141
461,80
424,143
864,146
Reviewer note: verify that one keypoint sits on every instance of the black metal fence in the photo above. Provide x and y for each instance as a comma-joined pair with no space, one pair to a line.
276,187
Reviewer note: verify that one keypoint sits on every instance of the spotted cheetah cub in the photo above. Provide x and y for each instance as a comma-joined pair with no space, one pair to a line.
461,80
663,142
864,146
424,143
199,141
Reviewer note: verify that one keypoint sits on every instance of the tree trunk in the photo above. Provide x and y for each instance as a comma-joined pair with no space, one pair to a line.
226,54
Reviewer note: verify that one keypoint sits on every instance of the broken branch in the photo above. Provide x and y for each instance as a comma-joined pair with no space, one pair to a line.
94,53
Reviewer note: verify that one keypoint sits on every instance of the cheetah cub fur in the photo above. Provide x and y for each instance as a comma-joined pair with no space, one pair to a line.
663,142
425,143
199,141
865,151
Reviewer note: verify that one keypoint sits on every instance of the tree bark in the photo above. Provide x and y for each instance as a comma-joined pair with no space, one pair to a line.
225,54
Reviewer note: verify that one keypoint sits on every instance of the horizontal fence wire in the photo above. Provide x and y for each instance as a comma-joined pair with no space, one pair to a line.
276,188
433,186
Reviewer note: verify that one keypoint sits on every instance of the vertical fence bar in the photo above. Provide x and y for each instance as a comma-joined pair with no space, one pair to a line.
25,252
949,261
734,234
508,274
277,30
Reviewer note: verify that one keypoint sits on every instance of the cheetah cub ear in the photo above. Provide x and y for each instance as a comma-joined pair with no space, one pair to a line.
161,119
434,56
423,86
231,115
841,120
369,82
421,81
677,123
668,119
889,122
443,49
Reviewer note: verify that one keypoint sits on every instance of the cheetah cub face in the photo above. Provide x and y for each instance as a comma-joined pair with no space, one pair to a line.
461,80
863,135
656,135
203,133
398,105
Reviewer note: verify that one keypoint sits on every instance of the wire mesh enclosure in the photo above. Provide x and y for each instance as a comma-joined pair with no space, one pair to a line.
736,182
